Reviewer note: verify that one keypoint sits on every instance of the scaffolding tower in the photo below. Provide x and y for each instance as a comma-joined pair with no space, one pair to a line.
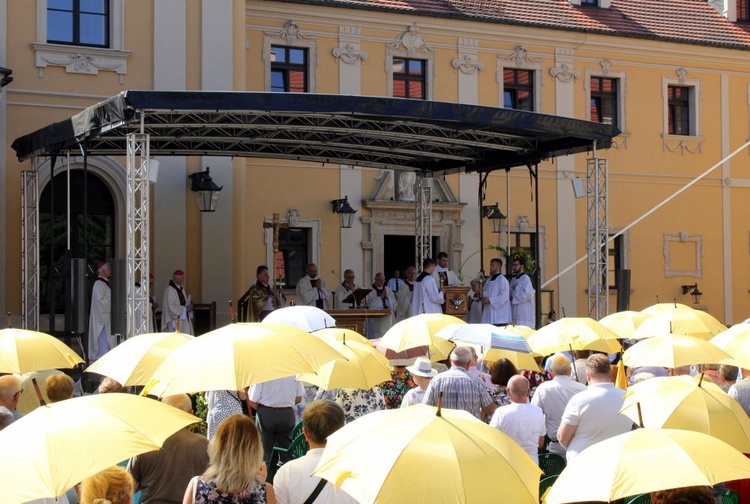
30,249
423,221
138,309
598,234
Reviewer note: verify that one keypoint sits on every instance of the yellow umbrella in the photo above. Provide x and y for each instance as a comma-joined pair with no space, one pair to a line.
672,351
690,403
680,321
647,460
23,351
519,359
134,361
56,446
624,323
665,307
621,381
362,367
574,333
423,455
341,334
736,342
239,355
420,330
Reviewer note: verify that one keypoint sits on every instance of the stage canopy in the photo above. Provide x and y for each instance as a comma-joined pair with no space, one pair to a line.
432,138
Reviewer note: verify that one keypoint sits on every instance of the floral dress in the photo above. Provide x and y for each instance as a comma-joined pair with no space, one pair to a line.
400,383
207,493
535,378
356,403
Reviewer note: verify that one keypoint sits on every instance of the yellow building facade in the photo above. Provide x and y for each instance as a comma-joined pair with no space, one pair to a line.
682,107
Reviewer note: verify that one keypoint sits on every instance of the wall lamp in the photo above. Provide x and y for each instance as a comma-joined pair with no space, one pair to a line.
494,215
345,211
5,77
693,289
208,192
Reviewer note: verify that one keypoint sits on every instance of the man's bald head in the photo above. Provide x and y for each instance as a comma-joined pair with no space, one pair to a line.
518,388
179,401
10,389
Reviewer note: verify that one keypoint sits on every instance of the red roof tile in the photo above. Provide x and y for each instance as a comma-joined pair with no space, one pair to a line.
684,21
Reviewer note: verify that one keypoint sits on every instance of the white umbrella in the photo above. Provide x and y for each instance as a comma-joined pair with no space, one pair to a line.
486,335
307,318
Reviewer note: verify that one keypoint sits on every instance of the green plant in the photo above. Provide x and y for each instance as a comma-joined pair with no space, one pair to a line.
516,253
201,411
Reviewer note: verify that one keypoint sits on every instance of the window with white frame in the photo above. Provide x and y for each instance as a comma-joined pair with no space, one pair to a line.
291,57
409,78
289,67
519,80
681,114
78,22
605,96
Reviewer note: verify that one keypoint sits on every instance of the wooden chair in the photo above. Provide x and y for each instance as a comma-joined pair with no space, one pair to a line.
551,463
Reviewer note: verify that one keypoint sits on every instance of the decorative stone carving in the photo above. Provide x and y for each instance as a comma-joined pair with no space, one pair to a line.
683,239
606,66
523,223
292,216
349,54
406,181
82,60
384,189
683,147
564,72
411,41
468,64
681,74
291,33
520,56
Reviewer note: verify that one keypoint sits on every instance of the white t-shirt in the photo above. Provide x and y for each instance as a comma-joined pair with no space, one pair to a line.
596,413
294,483
524,423
279,393
412,397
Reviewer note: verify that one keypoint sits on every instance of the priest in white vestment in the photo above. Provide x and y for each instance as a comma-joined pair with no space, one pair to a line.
443,274
426,297
312,290
344,290
403,298
177,306
381,298
522,296
496,296
101,339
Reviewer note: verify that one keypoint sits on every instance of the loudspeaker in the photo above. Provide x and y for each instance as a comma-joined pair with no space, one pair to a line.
77,297
623,289
118,284
579,188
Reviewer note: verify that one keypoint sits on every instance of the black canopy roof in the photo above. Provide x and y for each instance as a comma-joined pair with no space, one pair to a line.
425,136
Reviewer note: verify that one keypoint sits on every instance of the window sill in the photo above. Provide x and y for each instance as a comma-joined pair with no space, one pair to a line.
691,144
81,59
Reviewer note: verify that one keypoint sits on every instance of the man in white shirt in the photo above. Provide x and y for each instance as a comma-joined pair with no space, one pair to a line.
522,295
294,482
522,421
553,396
594,414
496,296
403,298
312,290
274,400
344,290
442,274
740,391
426,297
381,298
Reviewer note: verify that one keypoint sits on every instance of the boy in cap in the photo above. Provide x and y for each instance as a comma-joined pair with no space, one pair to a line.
422,372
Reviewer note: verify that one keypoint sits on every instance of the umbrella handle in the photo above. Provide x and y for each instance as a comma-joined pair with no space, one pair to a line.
231,311
10,320
38,392
177,325
440,404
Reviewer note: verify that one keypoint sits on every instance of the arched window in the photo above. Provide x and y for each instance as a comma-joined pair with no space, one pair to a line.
53,249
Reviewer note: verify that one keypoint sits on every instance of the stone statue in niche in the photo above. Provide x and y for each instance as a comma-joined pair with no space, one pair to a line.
384,188
406,181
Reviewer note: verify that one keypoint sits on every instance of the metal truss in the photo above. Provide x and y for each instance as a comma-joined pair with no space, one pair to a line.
30,249
423,221
138,309
598,233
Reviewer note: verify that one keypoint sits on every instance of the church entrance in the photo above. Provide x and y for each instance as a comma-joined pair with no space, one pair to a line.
399,253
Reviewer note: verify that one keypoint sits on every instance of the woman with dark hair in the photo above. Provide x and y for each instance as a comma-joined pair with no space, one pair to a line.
500,372
687,495
234,474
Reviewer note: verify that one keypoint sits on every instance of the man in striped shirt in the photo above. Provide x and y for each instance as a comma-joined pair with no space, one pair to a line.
460,390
